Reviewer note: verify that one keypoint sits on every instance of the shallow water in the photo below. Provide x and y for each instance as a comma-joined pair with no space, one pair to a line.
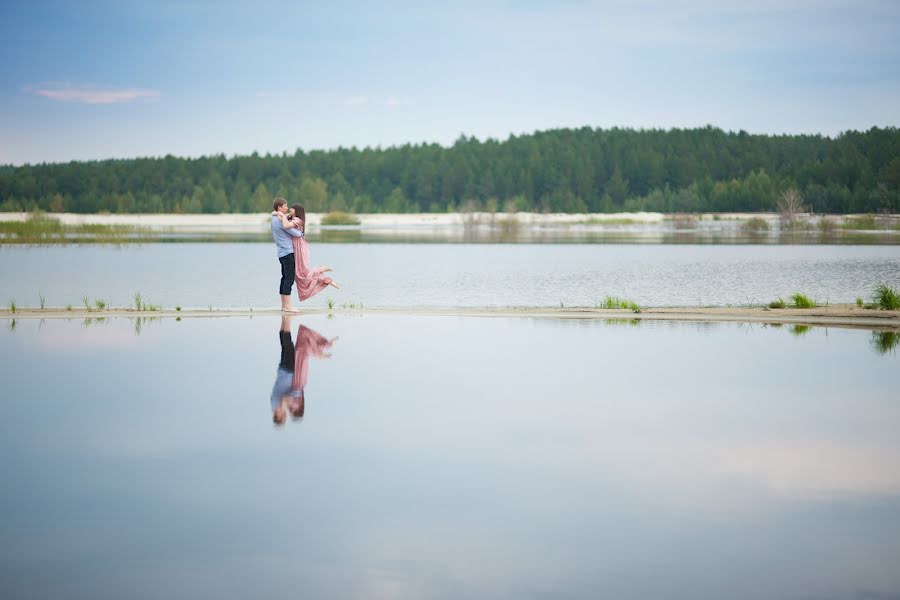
445,275
449,457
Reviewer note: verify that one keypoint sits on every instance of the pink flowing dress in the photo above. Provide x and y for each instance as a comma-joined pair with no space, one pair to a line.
310,281
309,343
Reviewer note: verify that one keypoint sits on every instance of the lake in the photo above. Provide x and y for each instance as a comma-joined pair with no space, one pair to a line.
235,275
445,457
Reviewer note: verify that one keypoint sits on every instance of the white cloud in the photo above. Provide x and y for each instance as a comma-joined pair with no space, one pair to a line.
89,93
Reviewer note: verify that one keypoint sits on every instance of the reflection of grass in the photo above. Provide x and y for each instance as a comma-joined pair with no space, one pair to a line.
632,322
338,217
886,297
39,228
799,330
613,303
801,301
884,342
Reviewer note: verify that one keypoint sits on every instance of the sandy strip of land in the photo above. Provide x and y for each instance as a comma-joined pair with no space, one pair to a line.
843,315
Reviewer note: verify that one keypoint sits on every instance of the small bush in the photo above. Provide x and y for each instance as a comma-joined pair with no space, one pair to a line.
178,308
68,308
755,225
780,303
886,297
801,301
860,302
338,217
100,303
330,303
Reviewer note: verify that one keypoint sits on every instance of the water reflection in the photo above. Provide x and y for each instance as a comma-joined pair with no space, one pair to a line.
885,342
288,392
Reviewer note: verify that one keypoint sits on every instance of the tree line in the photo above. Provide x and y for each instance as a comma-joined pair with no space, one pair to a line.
561,170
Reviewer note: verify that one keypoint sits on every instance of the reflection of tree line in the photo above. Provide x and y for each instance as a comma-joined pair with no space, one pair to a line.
288,392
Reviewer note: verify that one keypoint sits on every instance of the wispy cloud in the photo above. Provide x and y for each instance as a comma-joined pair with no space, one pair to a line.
395,102
89,93
355,101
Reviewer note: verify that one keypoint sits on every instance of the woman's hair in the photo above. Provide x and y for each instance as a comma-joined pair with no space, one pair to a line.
300,213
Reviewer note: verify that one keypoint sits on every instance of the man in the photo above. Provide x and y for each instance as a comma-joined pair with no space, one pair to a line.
285,248
282,390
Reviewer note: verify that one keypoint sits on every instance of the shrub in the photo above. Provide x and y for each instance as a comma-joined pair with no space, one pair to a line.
338,217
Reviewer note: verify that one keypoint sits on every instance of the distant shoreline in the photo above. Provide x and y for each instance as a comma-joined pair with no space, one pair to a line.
259,222
838,315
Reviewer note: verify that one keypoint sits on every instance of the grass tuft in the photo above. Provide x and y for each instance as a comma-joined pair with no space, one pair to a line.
100,303
42,299
613,303
87,302
68,308
331,304
780,303
801,301
860,302
886,297
12,306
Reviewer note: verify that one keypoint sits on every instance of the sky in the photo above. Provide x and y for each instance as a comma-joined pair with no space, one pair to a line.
85,80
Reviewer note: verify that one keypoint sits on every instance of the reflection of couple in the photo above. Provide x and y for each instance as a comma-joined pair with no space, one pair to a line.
288,227
293,370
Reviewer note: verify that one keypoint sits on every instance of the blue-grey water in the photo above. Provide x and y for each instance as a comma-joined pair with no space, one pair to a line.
448,457
443,275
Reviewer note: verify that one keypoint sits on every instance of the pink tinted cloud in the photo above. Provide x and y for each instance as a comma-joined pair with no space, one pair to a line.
90,94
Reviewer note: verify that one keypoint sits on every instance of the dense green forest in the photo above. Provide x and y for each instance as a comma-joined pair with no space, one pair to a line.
564,170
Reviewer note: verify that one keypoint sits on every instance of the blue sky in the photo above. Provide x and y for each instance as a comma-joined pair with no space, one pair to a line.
96,79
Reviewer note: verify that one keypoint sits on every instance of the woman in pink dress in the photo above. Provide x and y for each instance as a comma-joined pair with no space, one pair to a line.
310,281
309,343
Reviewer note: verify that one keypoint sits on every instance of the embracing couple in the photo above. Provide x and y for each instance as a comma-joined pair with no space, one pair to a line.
288,226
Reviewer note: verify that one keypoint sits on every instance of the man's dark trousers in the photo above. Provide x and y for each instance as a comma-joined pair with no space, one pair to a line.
287,274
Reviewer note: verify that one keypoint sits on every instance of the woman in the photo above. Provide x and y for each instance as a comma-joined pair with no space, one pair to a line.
310,281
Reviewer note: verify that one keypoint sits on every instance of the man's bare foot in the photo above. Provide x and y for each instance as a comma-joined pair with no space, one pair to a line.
334,285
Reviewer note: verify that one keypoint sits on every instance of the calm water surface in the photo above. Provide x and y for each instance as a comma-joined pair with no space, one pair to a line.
443,457
443,275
